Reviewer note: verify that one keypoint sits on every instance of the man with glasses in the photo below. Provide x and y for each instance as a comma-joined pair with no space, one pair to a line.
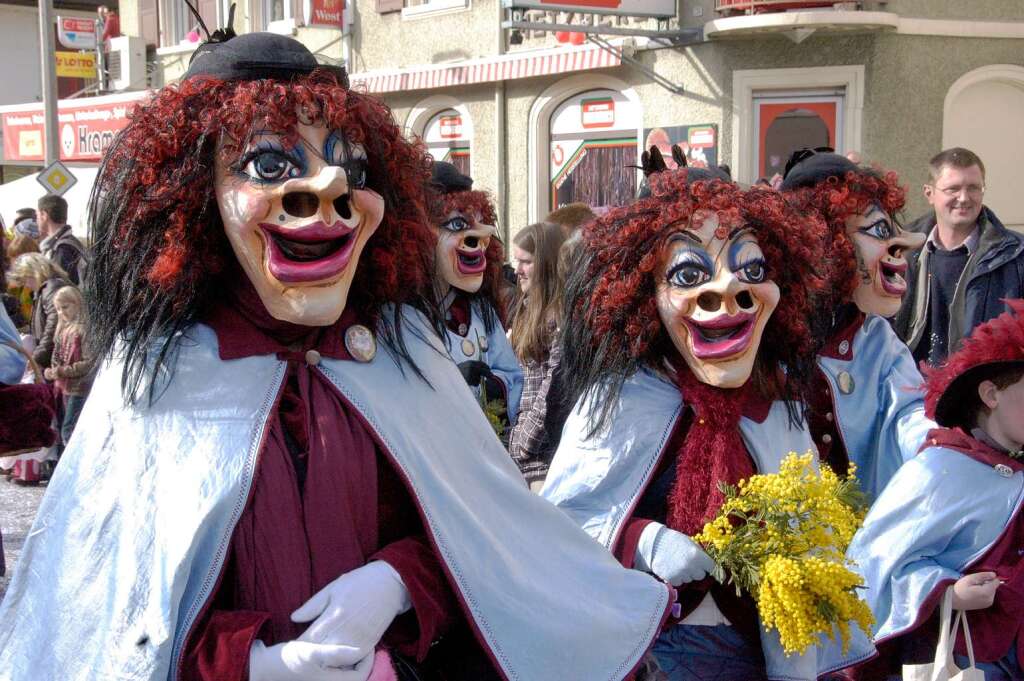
969,264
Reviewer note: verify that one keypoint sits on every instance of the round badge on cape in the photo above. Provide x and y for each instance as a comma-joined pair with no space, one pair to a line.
483,343
468,349
360,343
844,347
1004,470
846,383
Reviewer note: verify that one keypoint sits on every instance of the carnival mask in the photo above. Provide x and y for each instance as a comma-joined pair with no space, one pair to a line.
462,241
298,217
880,245
714,297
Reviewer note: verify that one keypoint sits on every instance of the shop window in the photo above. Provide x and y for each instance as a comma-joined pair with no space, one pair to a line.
448,136
786,124
412,9
594,150
178,25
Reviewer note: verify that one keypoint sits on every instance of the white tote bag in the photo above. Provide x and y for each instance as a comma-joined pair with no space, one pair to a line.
944,667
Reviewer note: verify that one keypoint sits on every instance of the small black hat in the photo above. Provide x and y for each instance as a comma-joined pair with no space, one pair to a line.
447,179
254,56
815,168
693,174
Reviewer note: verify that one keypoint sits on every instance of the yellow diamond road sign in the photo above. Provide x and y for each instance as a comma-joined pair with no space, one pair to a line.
56,178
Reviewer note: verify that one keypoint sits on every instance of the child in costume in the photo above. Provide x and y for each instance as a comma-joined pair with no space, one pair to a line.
467,275
682,311
951,516
866,406
279,473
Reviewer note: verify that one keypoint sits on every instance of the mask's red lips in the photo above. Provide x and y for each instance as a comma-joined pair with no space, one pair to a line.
892,278
471,262
310,253
723,336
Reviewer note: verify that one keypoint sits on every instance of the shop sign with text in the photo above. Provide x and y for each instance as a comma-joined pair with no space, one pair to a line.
85,130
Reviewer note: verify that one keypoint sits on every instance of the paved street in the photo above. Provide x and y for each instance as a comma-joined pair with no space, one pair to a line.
17,510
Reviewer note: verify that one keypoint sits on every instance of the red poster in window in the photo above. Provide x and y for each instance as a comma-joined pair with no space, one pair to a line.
327,13
820,114
450,127
597,113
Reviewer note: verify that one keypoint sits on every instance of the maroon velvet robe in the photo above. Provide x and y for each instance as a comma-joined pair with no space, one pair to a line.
324,500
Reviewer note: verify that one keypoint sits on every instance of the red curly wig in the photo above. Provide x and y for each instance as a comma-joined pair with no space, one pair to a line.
951,389
160,247
836,200
614,327
472,202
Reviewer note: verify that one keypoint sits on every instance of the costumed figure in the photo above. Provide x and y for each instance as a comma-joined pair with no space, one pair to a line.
866,404
468,276
951,516
683,309
279,473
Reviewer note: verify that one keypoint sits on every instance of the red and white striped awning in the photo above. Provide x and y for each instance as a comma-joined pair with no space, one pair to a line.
488,70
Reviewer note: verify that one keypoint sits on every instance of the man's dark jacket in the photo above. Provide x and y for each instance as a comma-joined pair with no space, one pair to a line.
993,272
64,248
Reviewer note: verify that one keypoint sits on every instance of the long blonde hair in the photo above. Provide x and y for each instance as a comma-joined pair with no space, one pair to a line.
77,327
539,310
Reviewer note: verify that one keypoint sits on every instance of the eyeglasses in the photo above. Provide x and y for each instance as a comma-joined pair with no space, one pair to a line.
973,190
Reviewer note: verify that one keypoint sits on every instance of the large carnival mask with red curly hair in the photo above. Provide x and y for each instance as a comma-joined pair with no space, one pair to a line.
881,246
298,215
462,240
715,297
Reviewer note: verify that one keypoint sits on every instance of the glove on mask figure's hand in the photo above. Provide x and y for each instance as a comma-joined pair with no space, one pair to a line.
652,161
671,556
304,661
355,609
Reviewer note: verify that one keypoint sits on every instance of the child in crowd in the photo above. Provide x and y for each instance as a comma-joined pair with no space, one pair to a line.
71,367
951,516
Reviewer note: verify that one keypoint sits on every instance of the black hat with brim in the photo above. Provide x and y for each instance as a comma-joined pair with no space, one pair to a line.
954,407
256,56
815,169
447,179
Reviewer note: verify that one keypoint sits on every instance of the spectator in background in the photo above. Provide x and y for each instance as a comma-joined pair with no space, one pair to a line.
968,265
71,367
24,214
44,279
111,25
18,246
10,302
571,217
59,244
534,339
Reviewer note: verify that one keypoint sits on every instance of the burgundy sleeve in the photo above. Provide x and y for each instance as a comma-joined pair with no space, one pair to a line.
625,550
433,603
218,650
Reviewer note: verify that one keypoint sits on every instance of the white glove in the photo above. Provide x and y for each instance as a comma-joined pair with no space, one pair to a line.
671,555
303,661
355,609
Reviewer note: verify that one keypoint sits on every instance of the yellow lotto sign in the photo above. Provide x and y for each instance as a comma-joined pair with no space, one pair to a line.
76,65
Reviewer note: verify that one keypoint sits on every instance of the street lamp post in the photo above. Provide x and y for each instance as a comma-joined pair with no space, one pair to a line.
49,64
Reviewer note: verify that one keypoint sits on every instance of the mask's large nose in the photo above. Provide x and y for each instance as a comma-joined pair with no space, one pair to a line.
726,294
326,190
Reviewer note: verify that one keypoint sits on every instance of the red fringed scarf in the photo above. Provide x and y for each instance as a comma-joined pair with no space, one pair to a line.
712,449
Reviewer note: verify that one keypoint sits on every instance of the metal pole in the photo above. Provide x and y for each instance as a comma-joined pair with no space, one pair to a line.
501,148
49,63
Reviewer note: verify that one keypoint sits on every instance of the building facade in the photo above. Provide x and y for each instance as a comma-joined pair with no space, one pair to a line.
543,117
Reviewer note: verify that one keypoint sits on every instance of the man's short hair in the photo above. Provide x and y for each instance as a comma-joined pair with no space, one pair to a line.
56,207
957,157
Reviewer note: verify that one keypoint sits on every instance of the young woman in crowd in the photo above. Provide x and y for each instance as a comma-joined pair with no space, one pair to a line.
43,278
534,339
683,311
866,406
71,366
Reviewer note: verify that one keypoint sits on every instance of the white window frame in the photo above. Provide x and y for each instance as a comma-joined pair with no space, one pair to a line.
286,26
169,23
747,82
433,8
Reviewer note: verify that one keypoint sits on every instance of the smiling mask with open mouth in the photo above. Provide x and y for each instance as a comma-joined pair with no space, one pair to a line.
461,257
715,297
881,246
298,217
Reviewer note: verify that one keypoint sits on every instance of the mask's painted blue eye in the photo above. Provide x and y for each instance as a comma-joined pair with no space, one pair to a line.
456,224
753,272
879,229
688,275
356,172
270,166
